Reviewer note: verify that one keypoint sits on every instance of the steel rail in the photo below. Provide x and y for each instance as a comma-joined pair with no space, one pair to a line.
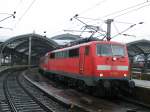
35,99
8,96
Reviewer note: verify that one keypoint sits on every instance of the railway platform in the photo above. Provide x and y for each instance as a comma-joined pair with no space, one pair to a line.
3,68
142,83
142,91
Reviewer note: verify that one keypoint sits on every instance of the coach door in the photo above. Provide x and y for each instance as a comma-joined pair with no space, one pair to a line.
81,60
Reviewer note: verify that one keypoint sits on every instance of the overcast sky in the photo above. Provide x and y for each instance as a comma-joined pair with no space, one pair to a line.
53,16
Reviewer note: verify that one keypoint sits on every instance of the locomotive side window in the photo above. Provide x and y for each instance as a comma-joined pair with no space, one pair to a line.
74,52
66,54
52,55
87,50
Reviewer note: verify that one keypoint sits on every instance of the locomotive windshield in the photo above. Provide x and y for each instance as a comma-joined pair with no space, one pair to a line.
110,50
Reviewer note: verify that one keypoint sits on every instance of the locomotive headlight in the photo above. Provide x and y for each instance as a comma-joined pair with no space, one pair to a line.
101,75
114,58
125,75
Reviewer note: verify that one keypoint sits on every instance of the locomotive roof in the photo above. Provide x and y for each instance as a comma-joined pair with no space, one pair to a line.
84,44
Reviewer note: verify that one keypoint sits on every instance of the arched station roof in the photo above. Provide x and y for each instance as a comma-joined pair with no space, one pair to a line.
65,38
138,47
39,44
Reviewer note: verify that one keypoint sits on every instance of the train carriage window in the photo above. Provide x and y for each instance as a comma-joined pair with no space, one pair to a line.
87,50
74,52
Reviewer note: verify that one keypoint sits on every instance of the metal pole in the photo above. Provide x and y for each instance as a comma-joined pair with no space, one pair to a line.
0,59
108,22
1,55
29,55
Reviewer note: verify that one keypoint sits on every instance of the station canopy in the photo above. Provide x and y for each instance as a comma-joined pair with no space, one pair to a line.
39,44
138,47
65,38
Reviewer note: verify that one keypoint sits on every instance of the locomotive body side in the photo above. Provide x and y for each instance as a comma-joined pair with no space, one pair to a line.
73,62
95,63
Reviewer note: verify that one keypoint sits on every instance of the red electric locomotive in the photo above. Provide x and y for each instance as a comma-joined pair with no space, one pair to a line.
102,65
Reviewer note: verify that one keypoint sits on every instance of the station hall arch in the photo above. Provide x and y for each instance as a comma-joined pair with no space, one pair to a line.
24,48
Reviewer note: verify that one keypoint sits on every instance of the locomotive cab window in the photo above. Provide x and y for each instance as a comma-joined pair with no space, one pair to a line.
110,50
104,50
118,50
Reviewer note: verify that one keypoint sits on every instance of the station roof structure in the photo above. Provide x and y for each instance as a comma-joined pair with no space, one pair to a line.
138,47
17,47
65,38
40,44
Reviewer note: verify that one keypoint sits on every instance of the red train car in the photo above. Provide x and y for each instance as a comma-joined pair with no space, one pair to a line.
102,64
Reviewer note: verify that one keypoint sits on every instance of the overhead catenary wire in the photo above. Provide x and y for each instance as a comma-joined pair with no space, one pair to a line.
92,19
131,10
86,23
123,31
92,7
131,26
28,8
10,15
6,13
17,5
122,22
119,11
89,9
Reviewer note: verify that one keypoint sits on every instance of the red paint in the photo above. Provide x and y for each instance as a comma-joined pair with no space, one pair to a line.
86,65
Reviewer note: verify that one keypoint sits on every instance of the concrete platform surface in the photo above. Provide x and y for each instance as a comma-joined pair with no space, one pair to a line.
142,83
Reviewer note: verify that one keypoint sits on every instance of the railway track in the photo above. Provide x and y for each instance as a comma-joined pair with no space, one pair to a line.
17,95
4,106
20,95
